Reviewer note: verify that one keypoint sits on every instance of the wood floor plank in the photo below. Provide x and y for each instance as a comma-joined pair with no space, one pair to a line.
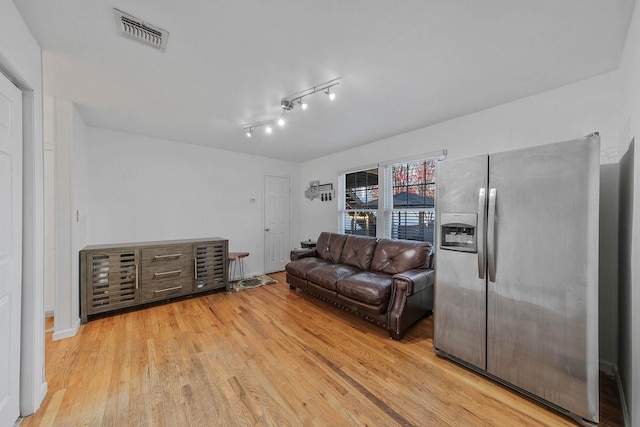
271,356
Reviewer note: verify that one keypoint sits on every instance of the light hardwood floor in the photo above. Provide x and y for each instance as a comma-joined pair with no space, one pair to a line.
270,356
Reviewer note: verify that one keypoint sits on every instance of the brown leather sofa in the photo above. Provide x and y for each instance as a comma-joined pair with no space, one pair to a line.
388,282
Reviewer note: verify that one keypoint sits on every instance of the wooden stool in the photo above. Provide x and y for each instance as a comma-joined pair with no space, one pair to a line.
237,258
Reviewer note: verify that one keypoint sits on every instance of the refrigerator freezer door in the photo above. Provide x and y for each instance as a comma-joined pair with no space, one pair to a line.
460,294
542,309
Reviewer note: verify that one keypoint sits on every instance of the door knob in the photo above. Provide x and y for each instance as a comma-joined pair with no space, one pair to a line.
267,229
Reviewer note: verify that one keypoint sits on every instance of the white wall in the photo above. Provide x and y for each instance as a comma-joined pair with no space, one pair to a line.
625,289
65,323
146,189
608,277
49,209
630,285
20,60
78,221
69,140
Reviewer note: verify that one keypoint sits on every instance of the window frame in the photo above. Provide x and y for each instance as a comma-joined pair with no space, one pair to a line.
343,212
384,210
389,210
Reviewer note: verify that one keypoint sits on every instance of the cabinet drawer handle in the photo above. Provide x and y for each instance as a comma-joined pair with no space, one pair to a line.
167,273
178,255
174,288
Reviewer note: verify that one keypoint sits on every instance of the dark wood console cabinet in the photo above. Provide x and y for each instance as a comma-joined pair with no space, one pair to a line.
118,276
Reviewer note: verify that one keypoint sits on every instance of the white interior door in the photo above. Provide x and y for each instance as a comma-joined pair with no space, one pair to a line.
10,249
277,225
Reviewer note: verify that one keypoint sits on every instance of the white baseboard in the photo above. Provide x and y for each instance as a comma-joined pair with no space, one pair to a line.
44,388
66,333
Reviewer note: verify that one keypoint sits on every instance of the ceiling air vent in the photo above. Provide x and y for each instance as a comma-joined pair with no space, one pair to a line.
134,28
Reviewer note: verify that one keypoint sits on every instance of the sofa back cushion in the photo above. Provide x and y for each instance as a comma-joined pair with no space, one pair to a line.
329,246
358,251
397,256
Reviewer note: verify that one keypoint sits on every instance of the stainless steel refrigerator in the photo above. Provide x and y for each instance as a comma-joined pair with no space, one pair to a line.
516,288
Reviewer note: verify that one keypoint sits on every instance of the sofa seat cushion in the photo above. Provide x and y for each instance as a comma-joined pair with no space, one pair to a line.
328,275
369,287
396,256
302,266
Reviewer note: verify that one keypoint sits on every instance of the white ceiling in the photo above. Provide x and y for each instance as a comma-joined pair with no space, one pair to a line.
404,64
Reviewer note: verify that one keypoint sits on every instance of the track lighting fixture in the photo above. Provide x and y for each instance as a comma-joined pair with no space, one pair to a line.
250,127
289,102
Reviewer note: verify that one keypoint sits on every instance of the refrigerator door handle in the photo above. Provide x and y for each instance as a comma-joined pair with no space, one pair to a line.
491,236
481,238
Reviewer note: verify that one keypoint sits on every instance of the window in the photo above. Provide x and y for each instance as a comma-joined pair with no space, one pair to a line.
399,193
410,199
359,202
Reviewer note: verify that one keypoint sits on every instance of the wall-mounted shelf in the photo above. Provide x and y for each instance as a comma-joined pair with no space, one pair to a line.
324,192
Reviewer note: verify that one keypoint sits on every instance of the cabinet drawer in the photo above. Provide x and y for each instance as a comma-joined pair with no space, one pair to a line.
173,270
166,289
167,263
166,254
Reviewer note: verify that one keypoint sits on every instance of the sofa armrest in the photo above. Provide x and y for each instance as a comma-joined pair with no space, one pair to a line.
411,299
302,253
412,281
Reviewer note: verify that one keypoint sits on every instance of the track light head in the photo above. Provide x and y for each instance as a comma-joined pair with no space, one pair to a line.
303,104
330,94
268,129
281,121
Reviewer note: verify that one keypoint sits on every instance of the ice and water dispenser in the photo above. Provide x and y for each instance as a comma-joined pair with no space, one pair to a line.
458,231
